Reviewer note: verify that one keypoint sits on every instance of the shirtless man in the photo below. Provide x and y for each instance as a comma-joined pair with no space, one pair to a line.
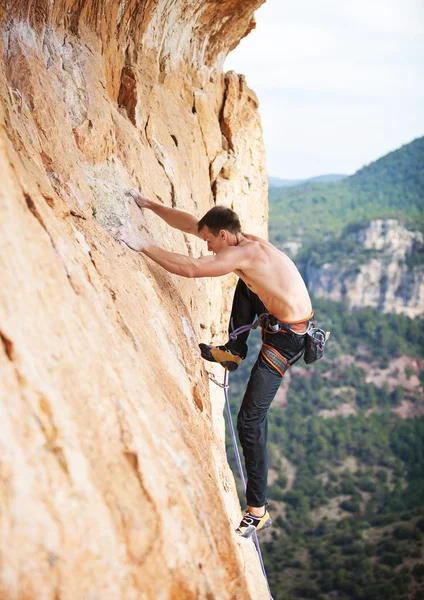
269,282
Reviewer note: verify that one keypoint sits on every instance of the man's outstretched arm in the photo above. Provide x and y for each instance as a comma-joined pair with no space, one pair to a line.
226,261
178,219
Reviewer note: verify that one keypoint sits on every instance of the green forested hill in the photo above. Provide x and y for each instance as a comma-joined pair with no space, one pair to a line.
396,179
392,186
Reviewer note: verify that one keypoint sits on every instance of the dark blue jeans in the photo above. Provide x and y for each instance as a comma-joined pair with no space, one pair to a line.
252,421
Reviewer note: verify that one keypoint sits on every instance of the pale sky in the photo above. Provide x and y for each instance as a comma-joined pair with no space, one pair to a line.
339,83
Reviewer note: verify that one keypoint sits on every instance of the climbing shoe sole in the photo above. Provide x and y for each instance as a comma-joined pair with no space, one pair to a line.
221,355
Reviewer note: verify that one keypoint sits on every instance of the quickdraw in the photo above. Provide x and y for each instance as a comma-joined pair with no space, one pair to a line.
215,380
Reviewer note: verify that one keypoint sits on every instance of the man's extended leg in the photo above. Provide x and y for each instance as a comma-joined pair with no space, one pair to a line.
246,307
252,426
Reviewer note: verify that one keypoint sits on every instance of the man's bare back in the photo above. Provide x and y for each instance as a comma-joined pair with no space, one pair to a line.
274,277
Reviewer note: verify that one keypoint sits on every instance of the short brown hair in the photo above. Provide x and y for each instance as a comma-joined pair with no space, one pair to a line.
220,217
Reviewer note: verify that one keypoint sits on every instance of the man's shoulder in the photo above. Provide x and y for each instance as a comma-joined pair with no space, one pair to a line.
254,238
258,240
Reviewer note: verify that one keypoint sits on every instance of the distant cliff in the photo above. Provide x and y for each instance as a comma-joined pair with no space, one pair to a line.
378,264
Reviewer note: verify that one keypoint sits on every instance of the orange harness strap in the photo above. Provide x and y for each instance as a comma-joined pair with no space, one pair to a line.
275,359
301,320
299,326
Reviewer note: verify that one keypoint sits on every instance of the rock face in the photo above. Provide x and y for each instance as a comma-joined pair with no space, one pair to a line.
113,475
381,271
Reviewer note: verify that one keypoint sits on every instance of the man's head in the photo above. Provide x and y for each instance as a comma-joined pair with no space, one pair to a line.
218,227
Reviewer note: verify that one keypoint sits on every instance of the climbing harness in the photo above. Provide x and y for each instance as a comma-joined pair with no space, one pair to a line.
315,340
277,360
240,468
274,358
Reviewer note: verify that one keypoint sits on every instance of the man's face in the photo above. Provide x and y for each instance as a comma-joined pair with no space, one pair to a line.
214,242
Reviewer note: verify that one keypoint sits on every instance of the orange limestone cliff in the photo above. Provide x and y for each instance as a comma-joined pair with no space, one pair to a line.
114,483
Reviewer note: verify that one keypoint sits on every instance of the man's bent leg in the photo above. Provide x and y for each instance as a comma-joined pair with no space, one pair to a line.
246,306
252,426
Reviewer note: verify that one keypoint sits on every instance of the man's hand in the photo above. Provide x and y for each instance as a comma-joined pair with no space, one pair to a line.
175,218
131,239
140,200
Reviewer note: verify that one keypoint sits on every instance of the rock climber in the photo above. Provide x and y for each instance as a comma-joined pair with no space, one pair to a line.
270,283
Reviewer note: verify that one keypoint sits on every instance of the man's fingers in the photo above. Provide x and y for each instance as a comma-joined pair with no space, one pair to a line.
133,193
140,200
133,240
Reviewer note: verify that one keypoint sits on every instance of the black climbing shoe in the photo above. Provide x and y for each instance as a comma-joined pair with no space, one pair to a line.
221,355
249,523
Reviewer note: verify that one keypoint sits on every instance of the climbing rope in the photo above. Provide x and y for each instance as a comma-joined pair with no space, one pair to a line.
240,468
